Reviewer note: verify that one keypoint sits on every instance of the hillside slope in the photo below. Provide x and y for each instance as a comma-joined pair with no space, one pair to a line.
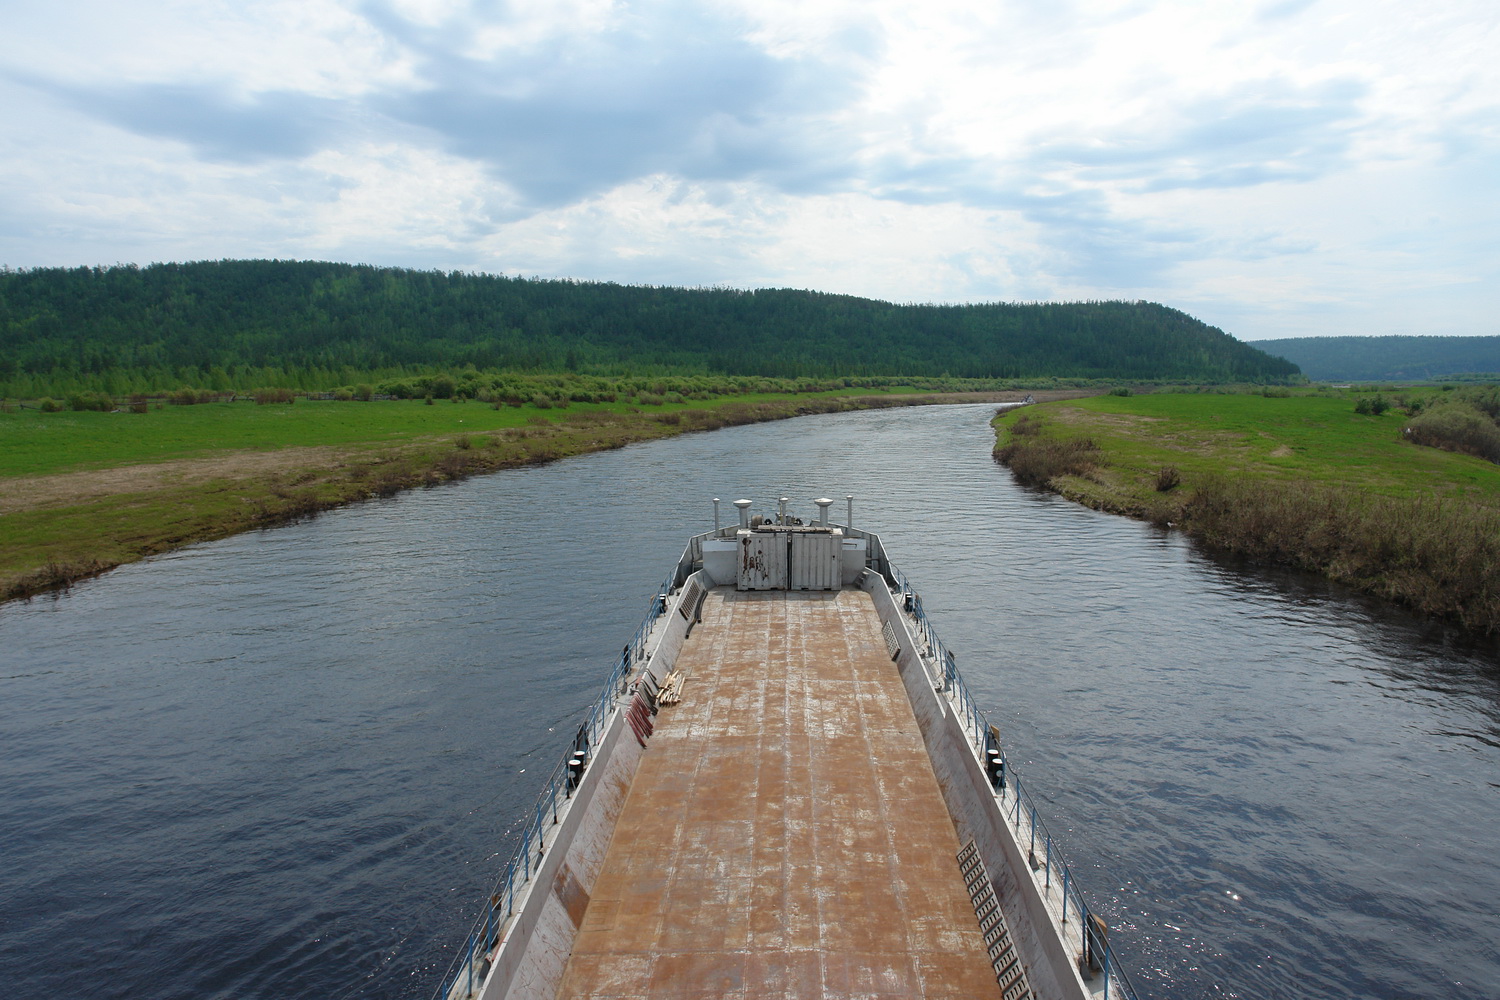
183,322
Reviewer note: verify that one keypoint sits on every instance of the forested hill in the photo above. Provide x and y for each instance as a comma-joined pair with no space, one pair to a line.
179,323
1382,359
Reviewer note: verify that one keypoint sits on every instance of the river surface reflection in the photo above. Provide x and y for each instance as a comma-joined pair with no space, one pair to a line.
287,764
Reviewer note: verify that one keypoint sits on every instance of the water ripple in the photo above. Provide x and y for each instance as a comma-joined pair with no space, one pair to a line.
286,764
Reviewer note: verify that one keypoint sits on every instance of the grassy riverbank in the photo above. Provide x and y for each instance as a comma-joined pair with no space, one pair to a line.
1302,480
83,492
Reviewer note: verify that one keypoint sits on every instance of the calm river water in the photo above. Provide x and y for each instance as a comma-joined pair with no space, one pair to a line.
286,764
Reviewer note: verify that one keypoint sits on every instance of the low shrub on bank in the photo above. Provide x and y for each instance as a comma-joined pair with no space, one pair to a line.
100,401
1025,426
1441,557
188,396
1038,459
1456,428
264,397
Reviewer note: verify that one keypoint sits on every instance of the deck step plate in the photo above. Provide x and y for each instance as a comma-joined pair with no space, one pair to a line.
692,598
1009,972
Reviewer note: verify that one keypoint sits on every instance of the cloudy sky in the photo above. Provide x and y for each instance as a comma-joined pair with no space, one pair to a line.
1277,168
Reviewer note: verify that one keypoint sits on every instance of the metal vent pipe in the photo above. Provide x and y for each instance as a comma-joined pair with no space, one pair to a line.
716,515
823,504
744,506
781,509
849,499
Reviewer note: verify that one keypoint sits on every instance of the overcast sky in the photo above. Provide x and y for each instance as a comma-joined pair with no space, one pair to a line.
1281,168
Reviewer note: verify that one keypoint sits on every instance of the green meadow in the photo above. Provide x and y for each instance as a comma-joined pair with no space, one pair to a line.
36,443
1311,439
84,491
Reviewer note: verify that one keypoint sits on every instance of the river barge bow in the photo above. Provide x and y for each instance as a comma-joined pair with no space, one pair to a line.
785,789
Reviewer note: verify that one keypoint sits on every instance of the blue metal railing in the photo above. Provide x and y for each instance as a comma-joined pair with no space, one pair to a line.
1016,803
558,789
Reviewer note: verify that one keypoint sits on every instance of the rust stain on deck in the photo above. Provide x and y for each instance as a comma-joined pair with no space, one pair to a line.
784,836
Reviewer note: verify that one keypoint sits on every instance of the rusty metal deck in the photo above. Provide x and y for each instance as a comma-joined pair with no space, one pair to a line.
784,836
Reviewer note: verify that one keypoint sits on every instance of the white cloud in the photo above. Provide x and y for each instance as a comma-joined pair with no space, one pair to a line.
1283,168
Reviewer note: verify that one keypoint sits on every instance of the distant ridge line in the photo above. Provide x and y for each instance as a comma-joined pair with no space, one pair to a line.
1388,358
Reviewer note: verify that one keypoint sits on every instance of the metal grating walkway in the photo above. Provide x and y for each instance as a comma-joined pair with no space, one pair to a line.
784,836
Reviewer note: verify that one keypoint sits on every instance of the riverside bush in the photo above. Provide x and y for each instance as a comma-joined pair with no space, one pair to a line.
99,401
1456,428
1038,460
1441,557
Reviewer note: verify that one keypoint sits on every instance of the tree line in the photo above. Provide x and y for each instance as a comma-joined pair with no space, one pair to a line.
241,324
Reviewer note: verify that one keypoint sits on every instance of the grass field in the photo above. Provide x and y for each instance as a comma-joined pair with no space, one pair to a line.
1303,480
33,443
81,492
1314,439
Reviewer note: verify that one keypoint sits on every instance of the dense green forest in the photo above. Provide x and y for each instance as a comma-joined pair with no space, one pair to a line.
1387,359
230,324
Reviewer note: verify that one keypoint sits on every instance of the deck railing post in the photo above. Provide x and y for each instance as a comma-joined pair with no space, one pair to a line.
1065,894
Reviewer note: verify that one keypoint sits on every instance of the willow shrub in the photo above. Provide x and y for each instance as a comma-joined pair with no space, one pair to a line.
1456,428
1038,460
1439,556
